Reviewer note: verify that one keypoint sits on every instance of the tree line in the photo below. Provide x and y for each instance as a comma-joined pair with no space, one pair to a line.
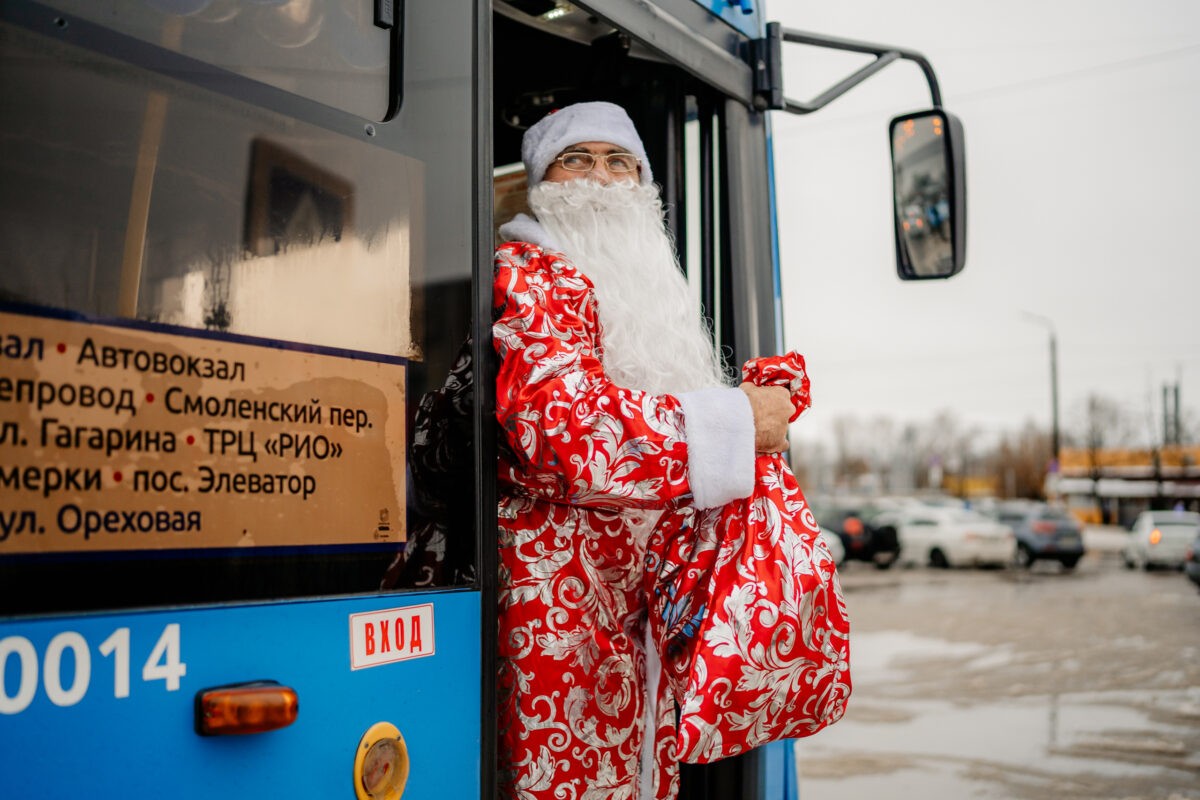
947,452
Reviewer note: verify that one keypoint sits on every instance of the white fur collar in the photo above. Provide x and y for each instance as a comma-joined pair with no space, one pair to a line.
524,228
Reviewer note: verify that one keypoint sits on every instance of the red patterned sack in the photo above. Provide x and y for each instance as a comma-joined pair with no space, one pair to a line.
747,611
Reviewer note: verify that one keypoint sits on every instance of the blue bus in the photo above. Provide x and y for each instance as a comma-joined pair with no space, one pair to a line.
246,535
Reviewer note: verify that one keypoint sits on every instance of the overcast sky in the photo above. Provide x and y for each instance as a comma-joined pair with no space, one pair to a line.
1082,123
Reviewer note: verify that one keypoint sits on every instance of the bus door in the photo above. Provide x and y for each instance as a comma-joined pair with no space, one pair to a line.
239,477
709,154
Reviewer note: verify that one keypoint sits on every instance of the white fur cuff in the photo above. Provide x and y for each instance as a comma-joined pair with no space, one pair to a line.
719,427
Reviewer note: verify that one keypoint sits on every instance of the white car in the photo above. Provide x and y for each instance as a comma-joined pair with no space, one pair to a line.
949,537
1161,539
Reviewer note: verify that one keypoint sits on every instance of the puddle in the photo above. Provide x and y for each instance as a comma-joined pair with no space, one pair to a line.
911,783
874,656
1050,732
1062,745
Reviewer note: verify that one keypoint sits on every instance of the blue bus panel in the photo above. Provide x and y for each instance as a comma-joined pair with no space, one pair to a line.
104,705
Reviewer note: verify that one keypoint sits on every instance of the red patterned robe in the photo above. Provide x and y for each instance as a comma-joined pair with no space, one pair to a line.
588,470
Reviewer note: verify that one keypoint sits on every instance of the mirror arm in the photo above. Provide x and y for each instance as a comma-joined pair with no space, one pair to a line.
768,68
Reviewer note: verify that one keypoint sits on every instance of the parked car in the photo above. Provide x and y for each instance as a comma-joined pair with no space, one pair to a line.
1160,539
834,543
1191,561
1012,512
949,537
1045,533
861,539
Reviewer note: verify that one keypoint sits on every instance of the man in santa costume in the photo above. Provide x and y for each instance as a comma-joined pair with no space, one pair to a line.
617,420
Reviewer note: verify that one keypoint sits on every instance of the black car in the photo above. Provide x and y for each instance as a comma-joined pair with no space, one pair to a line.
1044,532
861,540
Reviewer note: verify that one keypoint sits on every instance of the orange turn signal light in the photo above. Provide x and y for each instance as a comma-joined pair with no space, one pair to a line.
245,708
1155,536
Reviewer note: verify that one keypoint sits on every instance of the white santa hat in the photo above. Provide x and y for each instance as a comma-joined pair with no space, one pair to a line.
581,122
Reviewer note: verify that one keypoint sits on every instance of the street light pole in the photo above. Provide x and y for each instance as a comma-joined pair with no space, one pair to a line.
1054,436
1055,441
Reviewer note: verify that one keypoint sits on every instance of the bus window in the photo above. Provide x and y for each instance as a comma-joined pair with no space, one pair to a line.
247,314
333,53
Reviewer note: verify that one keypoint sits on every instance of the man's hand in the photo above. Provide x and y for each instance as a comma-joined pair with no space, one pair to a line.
772,406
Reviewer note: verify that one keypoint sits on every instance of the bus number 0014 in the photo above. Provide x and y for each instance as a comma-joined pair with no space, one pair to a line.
163,664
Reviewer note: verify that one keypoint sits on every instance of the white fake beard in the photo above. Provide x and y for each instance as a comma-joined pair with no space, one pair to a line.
653,336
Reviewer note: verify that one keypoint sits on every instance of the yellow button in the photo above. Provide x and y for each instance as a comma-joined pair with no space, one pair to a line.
381,764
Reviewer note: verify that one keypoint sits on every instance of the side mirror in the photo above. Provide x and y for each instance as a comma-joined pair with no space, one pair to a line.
929,195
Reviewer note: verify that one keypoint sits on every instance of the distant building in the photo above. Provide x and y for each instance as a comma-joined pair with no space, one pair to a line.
970,487
1110,486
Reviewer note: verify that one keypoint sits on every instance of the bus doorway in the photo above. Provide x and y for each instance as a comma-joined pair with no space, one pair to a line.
541,64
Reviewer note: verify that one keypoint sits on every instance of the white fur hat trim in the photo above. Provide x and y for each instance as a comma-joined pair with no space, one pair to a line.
581,122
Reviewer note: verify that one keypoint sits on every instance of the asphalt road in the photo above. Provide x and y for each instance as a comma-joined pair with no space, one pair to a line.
1024,685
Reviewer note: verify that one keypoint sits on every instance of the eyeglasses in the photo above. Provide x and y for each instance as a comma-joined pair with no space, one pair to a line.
617,163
